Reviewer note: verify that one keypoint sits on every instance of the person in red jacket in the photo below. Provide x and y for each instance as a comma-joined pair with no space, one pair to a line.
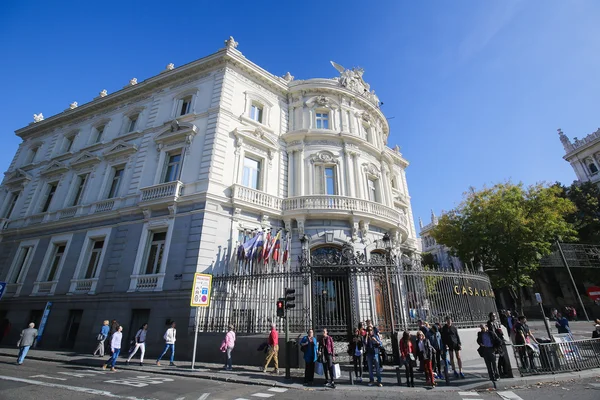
273,352
408,357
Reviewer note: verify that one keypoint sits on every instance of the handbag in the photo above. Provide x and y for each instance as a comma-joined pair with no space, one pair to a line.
337,373
412,360
319,368
100,337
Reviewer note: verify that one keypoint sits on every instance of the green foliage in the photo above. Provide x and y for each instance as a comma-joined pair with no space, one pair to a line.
428,261
507,228
586,218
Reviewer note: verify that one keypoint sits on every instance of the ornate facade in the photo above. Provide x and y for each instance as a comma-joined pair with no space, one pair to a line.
440,253
583,155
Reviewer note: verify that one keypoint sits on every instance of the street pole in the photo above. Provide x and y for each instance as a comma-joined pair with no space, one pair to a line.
562,255
196,336
287,348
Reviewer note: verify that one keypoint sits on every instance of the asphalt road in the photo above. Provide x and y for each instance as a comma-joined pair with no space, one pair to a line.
56,381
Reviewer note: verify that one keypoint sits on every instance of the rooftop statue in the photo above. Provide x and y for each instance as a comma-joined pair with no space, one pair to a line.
352,79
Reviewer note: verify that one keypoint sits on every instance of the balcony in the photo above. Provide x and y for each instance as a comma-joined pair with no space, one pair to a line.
13,289
42,288
162,193
68,212
104,206
146,283
255,199
83,286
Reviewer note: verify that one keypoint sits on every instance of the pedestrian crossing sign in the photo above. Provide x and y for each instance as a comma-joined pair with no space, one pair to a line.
201,290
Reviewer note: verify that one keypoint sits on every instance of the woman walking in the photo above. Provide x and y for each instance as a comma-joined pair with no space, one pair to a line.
228,345
326,350
408,357
115,348
309,347
140,343
355,350
101,338
435,338
426,352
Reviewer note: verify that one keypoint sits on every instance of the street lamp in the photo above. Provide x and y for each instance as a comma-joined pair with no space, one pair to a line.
388,258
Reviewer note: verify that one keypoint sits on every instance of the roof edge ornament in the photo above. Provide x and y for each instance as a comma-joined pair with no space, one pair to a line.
38,117
231,43
352,79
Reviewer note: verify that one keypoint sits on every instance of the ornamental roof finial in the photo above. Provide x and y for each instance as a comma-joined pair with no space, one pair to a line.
231,43
38,117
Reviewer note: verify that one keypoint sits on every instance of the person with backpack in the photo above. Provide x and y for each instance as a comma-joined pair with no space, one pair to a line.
310,347
102,335
170,337
140,343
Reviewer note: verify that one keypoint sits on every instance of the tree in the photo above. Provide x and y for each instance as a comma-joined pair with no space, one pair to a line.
507,229
586,218
428,260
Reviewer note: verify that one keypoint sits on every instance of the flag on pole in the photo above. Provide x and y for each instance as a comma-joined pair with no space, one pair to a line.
248,246
257,244
277,246
274,243
265,251
286,253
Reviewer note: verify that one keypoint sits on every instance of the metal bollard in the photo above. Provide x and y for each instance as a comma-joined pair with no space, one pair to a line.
351,377
398,376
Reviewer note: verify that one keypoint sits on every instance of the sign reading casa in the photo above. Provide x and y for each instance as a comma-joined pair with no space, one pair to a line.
471,291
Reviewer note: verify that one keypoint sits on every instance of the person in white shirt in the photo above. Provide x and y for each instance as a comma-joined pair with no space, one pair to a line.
170,337
140,343
115,348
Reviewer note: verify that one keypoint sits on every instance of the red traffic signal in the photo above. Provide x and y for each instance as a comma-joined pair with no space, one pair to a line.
281,308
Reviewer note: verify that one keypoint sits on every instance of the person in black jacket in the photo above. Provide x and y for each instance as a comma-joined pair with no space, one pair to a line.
486,339
451,340
355,350
495,328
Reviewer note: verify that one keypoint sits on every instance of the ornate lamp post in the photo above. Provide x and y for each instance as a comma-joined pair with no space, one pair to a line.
388,260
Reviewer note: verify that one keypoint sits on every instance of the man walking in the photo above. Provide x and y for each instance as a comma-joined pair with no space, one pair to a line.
28,337
115,348
170,337
451,340
273,352
562,324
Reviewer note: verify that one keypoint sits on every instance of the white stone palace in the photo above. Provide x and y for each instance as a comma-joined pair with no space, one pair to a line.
440,253
110,207
583,155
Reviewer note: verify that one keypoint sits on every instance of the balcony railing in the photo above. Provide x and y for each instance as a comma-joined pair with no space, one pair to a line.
82,286
103,206
44,287
255,197
145,283
68,212
164,191
13,289
341,203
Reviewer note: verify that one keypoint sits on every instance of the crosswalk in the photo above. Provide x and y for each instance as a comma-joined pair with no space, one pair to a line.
266,394
504,395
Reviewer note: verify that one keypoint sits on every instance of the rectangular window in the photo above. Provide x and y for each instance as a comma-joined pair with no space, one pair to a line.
59,252
186,104
256,113
95,254
81,181
155,253
372,189
32,154
51,191
322,120
68,143
173,168
99,133
132,123
22,259
329,180
251,173
115,183
14,196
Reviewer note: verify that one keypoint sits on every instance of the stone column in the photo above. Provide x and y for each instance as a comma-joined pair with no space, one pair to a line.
350,181
290,171
358,179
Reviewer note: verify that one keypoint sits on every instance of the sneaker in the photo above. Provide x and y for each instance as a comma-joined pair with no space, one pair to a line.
263,370
158,363
275,371
462,376
371,383
127,362
435,375
359,380
113,369
333,385
104,366
141,364
379,384
172,364
455,374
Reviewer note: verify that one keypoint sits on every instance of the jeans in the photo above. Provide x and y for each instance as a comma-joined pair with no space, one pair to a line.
228,362
113,358
357,367
373,362
22,353
142,347
167,347
437,364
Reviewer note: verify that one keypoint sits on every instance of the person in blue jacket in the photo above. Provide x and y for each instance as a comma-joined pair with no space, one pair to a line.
309,346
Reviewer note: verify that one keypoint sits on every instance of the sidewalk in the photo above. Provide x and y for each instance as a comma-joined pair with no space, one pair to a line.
475,373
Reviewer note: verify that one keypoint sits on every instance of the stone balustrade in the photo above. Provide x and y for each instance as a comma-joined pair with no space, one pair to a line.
164,191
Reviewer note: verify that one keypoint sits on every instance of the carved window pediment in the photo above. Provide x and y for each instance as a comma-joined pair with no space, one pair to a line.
120,149
324,157
257,136
178,131
54,167
322,101
372,170
86,158
18,177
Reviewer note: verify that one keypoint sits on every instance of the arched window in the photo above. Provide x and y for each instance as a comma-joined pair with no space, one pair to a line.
592,166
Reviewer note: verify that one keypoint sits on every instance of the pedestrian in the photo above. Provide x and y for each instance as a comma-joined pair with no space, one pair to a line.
273,350
115,349
310,347
372,347
101,338
495,328
562,324
523,339
485,339
114,326
4,328
355,350
140,343
408,357
596,332
435,338
170,337
422,328
451,340
27,339
227,347
327,353
426,353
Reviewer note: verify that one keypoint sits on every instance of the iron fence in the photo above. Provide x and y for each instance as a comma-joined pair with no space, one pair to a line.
551,358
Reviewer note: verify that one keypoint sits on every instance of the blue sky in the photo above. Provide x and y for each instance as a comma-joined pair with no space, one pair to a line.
474,90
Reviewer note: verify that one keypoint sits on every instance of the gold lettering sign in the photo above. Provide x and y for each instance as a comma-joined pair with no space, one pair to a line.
471,291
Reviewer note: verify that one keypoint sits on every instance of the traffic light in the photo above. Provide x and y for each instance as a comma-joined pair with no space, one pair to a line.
281,308
289,298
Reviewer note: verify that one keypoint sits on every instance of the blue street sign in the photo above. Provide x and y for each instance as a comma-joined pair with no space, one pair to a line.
2,289
43,323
